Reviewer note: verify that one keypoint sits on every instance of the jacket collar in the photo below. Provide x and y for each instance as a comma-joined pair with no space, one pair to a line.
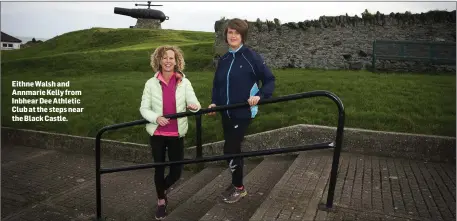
179,76
235,51
241,49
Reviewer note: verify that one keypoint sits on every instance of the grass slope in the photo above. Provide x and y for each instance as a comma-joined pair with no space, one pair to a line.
103,50
196,56
112,80
104,39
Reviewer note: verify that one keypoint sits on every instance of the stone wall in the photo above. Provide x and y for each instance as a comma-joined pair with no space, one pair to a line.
148,23
344,42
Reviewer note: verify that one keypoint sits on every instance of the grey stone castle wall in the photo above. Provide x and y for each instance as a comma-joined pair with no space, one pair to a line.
343,42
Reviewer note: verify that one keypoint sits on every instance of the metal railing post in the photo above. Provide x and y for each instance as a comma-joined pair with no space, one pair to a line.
336,145
97,177
431,53
336,159
198,119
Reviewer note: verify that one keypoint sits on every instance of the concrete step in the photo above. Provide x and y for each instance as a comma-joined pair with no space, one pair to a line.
258,184
127,195
62,187
197,205
299,191
48,185
182,192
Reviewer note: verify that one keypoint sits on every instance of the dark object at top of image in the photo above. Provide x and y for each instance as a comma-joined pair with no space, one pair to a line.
142,13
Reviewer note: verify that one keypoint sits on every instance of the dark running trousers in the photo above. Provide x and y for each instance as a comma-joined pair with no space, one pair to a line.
234,131
159,146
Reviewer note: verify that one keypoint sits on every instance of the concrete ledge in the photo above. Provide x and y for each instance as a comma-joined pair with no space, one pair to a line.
379,143
76,144
370,142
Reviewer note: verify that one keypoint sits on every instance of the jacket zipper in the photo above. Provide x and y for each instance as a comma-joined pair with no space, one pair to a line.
228,83
176,105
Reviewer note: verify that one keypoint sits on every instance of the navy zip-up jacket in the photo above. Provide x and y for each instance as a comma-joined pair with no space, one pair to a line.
237,78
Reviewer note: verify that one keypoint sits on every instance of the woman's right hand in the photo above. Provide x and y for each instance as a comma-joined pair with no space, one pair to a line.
162,121
211,106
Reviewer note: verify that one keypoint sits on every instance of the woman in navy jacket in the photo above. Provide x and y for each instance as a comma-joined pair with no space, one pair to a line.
236,80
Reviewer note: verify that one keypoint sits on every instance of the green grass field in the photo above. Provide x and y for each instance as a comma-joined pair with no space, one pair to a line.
111,74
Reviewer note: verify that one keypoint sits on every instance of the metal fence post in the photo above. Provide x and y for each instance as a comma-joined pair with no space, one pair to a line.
98,177
432,53
336,160
374,56
200,160
198,119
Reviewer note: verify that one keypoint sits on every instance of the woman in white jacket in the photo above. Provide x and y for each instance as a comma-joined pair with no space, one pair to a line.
168,92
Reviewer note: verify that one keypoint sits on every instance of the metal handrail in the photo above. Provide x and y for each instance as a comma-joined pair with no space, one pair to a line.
337,144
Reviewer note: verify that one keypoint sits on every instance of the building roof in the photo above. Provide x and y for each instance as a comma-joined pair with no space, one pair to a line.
8,38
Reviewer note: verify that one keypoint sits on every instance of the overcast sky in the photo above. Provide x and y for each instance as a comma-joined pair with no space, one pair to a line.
48,19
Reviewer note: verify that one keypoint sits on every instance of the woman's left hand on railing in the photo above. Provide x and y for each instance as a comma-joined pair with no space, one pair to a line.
192,107
253,100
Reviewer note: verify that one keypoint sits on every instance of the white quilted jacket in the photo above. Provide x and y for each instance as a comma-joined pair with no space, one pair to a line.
151,103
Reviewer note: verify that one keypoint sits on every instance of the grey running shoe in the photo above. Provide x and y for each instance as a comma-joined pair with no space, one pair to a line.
233,194
161,212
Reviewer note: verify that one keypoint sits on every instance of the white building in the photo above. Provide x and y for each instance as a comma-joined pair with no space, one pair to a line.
9,42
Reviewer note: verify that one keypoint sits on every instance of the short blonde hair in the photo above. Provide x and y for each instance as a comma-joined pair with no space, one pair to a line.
159,53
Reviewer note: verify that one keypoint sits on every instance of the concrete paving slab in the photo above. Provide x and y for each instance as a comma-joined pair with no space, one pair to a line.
258,184
43,184
62,185
367,188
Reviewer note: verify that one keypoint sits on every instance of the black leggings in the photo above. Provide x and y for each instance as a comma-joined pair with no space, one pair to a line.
159,146
234,131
